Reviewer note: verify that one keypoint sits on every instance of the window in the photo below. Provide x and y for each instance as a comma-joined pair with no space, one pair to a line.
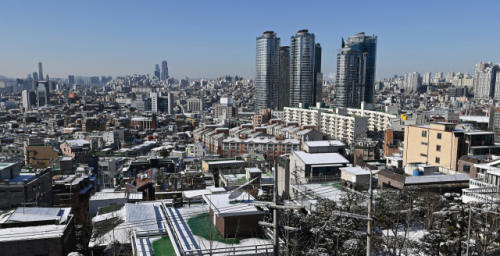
439,136
424,143
438,147
424,155
424,133
438,160
466,168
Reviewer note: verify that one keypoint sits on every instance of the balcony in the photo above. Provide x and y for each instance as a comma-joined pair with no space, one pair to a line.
486,194
478,183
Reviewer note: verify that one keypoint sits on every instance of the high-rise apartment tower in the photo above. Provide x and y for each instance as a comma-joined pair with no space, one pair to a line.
267,71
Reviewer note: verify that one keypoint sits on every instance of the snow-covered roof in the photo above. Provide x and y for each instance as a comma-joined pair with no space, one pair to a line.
322,158
324,143
437,179
78,143
31,233
115,195
28,214
355,170
478,119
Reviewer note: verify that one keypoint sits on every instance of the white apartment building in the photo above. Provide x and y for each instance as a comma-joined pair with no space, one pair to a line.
377,120
338,125
195,150
195,105
234,146
275,114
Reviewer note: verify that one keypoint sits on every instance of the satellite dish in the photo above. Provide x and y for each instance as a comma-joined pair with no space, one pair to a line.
236,193
239,190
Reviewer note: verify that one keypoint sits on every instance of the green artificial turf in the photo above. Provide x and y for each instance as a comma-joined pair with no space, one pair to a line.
163,247
202,226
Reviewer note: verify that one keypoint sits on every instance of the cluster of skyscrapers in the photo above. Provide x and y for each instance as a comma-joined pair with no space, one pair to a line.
163,75
287,76
40,97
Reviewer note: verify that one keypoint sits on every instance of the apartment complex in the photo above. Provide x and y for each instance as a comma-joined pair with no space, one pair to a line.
335,125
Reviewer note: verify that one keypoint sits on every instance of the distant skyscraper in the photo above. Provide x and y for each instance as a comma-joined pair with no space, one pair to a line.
367,45
350,87
284,78
267,71
449,76
35,76
29,76
427,78
42,93
164,70
157,71
71,80
154,101
487,80
47,77
439,75
170,103
40,71
412,82
302,71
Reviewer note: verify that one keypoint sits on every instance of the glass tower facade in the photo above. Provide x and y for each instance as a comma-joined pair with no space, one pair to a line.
366,46
318,76
43,93
350,86
267,71
302,71
284,78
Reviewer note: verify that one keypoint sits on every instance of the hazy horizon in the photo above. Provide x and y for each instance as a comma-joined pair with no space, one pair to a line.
216,38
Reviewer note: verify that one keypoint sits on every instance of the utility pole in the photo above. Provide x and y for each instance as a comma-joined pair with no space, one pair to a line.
369,226
275,206
276,245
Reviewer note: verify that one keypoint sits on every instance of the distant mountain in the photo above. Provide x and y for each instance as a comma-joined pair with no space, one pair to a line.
4,77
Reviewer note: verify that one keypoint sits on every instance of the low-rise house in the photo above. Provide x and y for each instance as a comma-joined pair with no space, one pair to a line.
435,183
37,231
125,219
324,146
78,149
39,155
20,187
109,197
306,168
74,191
356,176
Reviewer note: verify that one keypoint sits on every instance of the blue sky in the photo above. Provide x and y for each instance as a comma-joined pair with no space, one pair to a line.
207,39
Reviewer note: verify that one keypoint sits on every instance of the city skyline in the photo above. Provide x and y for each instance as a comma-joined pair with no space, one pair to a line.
412,36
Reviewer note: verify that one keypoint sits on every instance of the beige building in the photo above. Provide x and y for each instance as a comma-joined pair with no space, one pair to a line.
40,155
437,144
440,144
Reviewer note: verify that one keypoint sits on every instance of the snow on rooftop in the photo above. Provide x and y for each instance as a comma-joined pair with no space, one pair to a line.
322,158
187,240
324,143
355,170
31,233
437,178
115,195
